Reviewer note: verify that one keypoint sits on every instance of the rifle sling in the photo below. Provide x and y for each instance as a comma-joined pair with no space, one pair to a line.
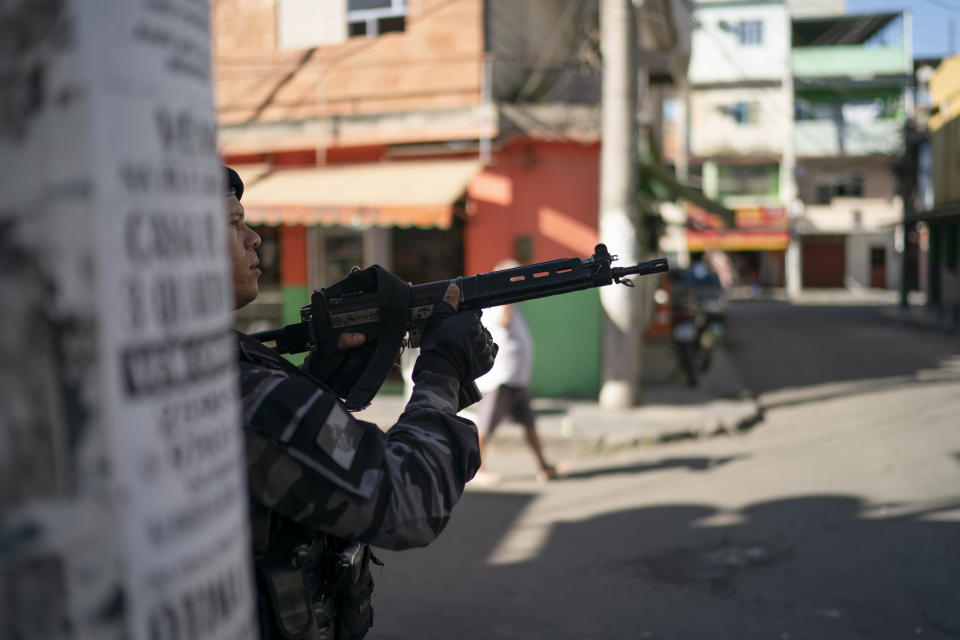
393,296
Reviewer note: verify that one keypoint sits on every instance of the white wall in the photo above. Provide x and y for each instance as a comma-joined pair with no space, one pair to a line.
308,23
878,179
719,58
817,8
840,216
875,226
857,265
715,133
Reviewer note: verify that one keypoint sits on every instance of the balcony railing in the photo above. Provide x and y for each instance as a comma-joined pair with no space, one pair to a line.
828,138
848,61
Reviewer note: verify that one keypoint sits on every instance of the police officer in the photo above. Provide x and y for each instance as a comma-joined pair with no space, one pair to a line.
322,484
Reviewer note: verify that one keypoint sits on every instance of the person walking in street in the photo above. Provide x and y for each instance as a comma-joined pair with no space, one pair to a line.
505,386
323,484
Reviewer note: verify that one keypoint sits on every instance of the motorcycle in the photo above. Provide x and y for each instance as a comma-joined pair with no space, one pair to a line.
699,324
687,338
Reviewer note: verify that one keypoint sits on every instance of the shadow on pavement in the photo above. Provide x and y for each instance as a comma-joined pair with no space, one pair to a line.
813,566
692,464
585,562
822,393
778,346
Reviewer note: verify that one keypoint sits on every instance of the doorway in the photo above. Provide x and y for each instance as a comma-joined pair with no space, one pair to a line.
878,267
824,261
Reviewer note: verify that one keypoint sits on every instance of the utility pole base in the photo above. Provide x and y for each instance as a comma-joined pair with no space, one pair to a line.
617,394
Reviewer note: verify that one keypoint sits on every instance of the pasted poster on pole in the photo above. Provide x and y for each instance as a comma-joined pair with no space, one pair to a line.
122,487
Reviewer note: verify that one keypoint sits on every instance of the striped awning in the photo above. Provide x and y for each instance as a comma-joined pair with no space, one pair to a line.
737,240
395,194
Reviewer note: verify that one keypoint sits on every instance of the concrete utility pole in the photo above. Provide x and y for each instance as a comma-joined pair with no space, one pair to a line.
793,259
122,486
619,227
909,171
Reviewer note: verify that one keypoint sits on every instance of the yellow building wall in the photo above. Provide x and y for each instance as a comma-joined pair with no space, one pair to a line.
945,131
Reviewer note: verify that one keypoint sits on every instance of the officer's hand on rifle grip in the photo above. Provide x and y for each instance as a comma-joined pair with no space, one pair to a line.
455,343
350,341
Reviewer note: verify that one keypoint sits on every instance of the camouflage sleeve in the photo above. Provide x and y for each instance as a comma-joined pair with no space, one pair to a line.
310,461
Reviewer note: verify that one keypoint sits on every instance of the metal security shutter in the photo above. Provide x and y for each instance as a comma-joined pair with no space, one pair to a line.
824,260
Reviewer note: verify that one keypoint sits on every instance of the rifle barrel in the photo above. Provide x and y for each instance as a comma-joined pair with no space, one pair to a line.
659,265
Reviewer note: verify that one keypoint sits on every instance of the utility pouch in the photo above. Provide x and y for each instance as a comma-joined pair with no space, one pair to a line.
286,588
354,591
299,613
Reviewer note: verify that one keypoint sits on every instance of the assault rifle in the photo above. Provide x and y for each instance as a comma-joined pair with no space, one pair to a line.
376,303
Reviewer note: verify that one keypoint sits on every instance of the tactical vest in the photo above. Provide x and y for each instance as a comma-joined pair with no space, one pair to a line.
310,585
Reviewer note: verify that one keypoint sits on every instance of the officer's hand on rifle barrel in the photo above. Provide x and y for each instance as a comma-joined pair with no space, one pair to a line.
455,343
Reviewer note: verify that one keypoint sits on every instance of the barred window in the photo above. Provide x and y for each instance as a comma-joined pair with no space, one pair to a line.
374,17
749,33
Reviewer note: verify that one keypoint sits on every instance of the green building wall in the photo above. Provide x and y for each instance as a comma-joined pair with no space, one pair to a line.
294,297
567,335
844,61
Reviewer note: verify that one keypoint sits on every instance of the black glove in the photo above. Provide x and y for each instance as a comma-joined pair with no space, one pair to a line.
455,344
338,369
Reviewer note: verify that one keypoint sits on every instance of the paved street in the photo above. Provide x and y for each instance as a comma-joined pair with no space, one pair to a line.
838,516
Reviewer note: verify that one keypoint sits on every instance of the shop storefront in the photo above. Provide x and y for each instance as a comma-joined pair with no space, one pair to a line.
756,244
317,223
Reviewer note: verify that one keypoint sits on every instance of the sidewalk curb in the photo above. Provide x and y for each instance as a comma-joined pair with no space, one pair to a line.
653,424
719,404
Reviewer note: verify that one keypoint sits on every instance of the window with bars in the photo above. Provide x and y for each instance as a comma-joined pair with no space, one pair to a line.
749,33
839,187
374,17
742,112
748,180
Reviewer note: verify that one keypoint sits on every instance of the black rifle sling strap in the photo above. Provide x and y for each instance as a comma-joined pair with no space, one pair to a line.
393,298
357,374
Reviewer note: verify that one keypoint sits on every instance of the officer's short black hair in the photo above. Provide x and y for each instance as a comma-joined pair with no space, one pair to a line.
234,183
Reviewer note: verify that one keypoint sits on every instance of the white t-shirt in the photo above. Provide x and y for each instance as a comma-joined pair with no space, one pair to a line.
514,363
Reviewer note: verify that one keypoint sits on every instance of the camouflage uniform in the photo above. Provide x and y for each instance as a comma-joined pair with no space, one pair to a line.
316,472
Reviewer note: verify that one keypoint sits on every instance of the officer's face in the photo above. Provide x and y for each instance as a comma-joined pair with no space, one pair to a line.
242,242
